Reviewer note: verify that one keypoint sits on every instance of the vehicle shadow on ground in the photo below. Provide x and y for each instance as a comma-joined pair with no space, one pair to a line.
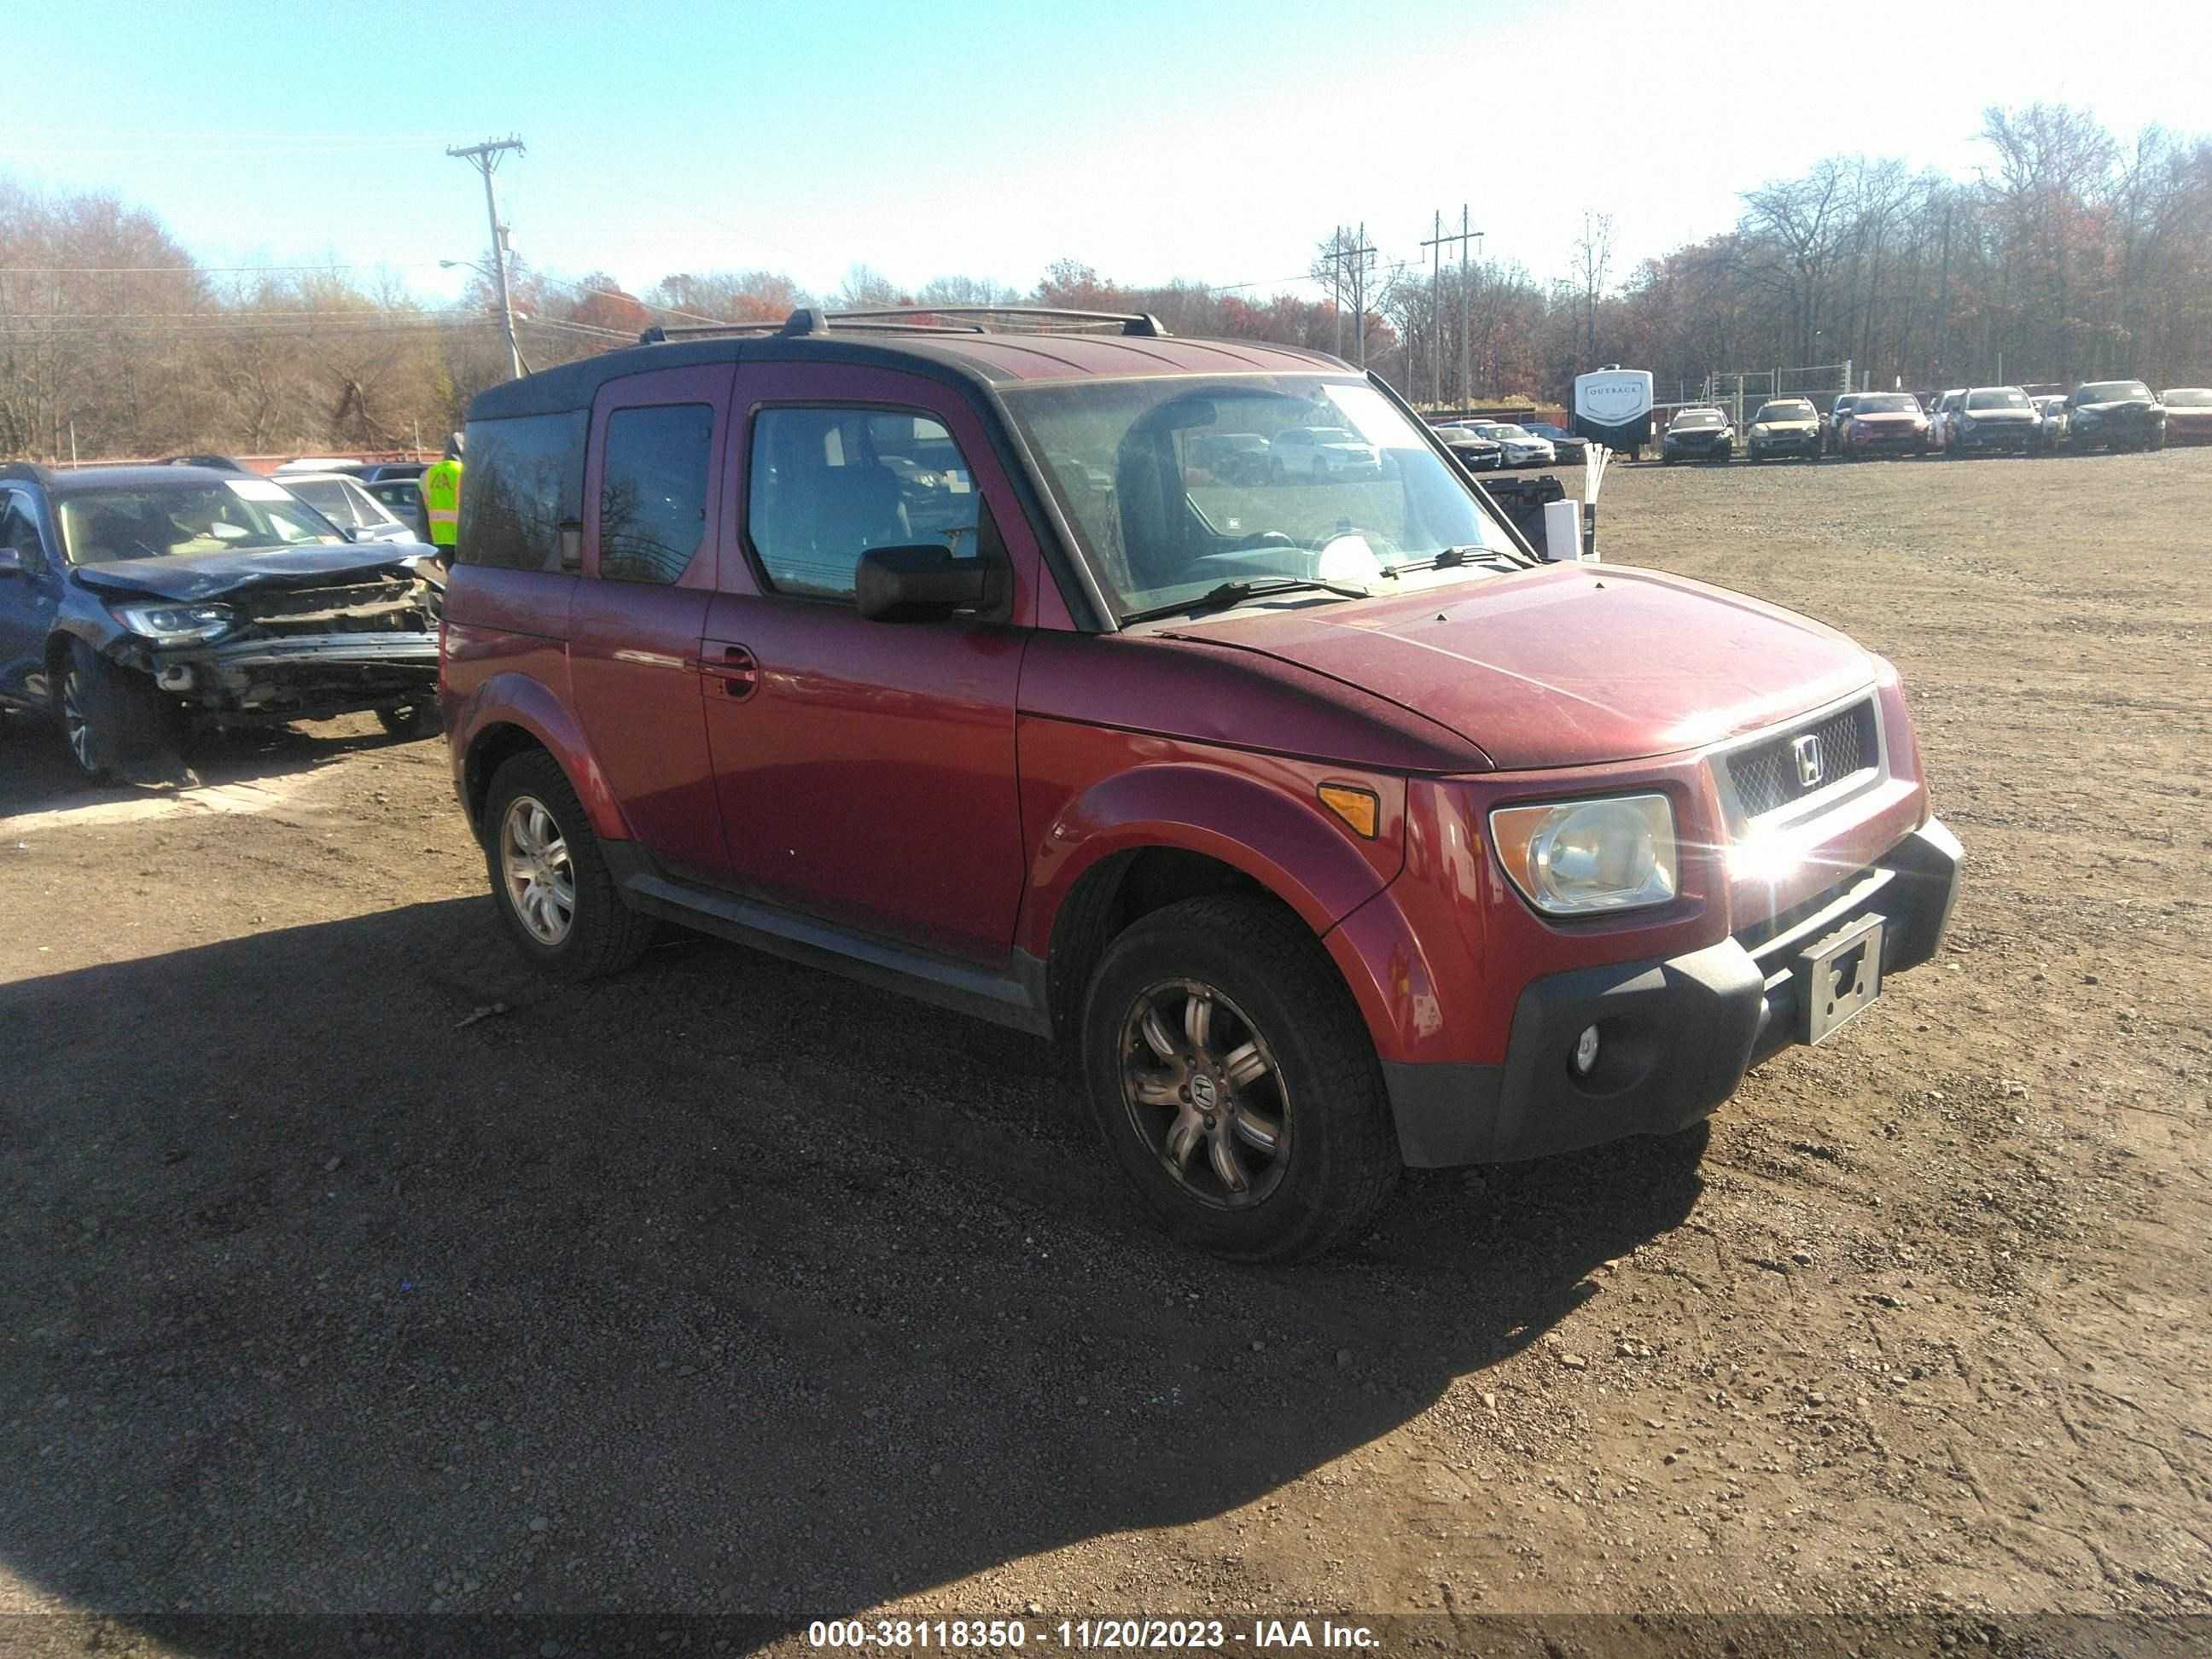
357,1269
37,775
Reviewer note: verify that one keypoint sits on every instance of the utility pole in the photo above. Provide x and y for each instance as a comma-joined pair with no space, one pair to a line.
1436,312
1465,236
486,158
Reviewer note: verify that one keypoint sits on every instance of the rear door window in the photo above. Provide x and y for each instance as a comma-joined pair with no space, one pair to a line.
523,477
652,491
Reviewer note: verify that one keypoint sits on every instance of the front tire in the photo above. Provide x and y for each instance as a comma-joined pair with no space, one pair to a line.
1234,1081
555,892
110,717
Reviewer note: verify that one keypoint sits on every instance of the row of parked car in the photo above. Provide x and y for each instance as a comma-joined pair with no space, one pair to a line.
1486,446
1308,452
1987,419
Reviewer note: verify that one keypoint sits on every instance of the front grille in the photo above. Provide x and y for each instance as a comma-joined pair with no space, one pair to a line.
1767,775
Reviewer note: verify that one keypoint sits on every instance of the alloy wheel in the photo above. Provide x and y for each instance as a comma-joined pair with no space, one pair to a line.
77,725
541,880
1204,1091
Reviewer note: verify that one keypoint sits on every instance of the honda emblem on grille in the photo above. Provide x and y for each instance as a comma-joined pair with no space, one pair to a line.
1806,749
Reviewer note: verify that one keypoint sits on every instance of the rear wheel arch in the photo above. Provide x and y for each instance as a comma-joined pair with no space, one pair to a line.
488,750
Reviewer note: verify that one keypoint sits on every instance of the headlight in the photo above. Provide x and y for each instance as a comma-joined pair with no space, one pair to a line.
176,625
1583,856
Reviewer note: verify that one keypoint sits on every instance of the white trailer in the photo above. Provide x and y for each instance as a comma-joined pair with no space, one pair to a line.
1612,407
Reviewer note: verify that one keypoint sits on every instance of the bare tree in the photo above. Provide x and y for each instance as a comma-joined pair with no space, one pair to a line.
1593,263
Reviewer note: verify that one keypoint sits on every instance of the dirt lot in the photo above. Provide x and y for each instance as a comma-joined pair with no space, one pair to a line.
731,1286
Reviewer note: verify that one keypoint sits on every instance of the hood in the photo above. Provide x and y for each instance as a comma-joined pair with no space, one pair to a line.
1795,423
211,575
1999,414
2118,406
1569,667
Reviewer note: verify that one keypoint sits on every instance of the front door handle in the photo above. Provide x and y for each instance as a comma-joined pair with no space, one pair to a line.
737,668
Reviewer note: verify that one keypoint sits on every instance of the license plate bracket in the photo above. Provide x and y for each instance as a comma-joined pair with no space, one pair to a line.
1839,978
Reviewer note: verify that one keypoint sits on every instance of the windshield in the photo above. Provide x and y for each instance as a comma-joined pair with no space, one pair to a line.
2003,397
1156,526
1506,429
1697,417
240,515
1784,412
2114,391
2189,397
1887,403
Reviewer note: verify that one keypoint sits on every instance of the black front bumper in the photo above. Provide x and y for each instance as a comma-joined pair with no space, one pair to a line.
1677,1035
299,676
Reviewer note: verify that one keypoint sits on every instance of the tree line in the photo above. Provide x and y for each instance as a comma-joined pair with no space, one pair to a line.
2072,253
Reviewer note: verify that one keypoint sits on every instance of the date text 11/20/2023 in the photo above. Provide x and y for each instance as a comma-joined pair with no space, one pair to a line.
1173,1635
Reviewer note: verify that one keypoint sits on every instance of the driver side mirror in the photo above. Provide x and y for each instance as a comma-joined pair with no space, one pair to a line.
924,583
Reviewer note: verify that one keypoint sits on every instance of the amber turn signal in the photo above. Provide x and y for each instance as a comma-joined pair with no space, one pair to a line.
1360,808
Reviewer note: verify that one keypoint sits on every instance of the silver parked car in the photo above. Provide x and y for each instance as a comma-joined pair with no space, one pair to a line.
347,503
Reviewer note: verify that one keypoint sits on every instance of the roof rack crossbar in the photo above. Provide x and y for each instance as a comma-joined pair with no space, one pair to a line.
809,320
1132,322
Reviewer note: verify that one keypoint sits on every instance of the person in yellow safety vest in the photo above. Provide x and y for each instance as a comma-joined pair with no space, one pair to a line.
438,514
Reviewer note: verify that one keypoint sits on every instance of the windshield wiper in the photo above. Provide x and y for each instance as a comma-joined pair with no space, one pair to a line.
1470,553
1230,593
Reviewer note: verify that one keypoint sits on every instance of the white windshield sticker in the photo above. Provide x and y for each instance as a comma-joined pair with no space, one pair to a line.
259,489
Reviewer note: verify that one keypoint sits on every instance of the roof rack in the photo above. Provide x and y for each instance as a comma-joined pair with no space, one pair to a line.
808,320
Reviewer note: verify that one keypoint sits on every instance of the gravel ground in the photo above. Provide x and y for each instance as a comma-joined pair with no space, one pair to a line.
352,1269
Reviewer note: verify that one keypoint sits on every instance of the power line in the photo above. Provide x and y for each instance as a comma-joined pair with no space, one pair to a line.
200,270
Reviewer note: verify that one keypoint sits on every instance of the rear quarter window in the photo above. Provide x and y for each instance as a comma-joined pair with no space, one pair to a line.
521,478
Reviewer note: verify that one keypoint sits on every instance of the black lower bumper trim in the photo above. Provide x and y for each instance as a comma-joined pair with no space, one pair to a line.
1675,1037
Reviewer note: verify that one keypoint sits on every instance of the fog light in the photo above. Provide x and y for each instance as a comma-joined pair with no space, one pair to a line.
1586,1051
178,676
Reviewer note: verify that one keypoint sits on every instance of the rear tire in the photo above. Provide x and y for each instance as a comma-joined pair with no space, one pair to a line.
555,892
1258,1129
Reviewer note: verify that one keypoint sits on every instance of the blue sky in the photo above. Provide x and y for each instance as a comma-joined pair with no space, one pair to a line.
1151,140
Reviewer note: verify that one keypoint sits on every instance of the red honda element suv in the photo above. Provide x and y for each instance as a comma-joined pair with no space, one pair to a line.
1333,831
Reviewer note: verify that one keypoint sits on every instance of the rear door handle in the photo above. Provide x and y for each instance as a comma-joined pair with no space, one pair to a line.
737,668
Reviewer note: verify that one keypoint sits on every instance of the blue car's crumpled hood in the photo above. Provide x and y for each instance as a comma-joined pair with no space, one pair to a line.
212,576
